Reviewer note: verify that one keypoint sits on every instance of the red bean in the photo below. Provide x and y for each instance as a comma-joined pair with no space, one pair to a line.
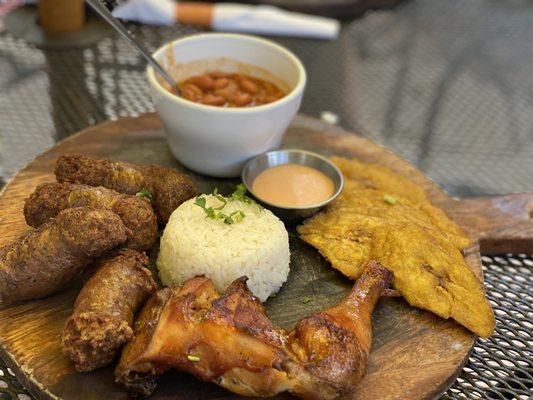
269,87
229,89
249,86
213,100
221,83
238,77
204,82
242,99
188,94
228,92
194,89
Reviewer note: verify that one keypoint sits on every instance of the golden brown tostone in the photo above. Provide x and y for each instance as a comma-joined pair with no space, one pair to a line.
407,235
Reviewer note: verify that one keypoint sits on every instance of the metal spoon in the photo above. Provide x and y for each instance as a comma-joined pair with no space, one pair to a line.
120,28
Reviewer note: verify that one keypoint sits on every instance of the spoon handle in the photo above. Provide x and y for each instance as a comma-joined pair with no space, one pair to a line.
120,28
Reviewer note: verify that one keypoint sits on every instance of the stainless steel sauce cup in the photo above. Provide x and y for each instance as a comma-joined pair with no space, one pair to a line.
271,159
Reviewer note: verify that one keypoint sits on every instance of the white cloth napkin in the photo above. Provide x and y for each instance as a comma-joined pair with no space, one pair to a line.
150,12
263,19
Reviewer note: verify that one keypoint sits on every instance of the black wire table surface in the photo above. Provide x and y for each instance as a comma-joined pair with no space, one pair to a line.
447,85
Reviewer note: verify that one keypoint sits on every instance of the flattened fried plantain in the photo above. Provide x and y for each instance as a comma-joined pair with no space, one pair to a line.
410,237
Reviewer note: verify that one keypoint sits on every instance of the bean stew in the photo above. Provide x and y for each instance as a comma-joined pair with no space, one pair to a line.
229,90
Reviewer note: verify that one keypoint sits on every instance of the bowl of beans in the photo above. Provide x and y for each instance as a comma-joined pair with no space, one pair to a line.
237,96
229,89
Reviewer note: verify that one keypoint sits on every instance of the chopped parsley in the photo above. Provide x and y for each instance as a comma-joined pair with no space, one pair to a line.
240,194
217,214
306,300
145,193
389,199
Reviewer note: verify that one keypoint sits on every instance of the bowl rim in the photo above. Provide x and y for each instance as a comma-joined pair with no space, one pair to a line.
294,93
309,153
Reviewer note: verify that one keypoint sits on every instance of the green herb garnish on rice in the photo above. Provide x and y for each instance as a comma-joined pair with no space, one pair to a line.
223,238
216,213
240,194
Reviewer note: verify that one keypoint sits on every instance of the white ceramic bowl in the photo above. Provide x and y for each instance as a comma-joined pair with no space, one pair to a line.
218,141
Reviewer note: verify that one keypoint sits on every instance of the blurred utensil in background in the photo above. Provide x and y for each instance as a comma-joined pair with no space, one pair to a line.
120,28
260,19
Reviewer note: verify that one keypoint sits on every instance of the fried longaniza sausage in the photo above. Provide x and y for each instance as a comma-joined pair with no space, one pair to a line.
168,187
42,261
103,314
229,340
136,213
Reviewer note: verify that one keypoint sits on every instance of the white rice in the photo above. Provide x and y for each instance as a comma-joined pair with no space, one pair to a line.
257,247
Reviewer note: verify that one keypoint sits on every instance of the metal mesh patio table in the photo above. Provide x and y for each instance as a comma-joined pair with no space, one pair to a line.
447,85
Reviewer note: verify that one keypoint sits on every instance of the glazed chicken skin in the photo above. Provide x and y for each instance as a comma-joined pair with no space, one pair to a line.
167,187
229,340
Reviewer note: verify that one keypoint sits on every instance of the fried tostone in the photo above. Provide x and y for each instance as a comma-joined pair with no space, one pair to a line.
411,237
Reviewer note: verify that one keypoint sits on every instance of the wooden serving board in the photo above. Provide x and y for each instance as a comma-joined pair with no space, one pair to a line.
415,354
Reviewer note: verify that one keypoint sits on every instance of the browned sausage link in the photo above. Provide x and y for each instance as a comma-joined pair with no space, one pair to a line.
103,314
136,213
42,261
168,187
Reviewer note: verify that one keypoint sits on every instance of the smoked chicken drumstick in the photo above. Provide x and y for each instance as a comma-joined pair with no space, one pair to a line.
229,340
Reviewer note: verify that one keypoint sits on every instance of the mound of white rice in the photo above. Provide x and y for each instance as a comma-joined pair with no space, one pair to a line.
257,246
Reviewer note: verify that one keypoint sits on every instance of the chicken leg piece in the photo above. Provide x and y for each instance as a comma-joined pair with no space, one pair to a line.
229,340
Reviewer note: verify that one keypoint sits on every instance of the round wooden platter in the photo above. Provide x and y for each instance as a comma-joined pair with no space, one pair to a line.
415,354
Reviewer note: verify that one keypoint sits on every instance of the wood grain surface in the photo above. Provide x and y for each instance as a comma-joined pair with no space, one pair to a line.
415,354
